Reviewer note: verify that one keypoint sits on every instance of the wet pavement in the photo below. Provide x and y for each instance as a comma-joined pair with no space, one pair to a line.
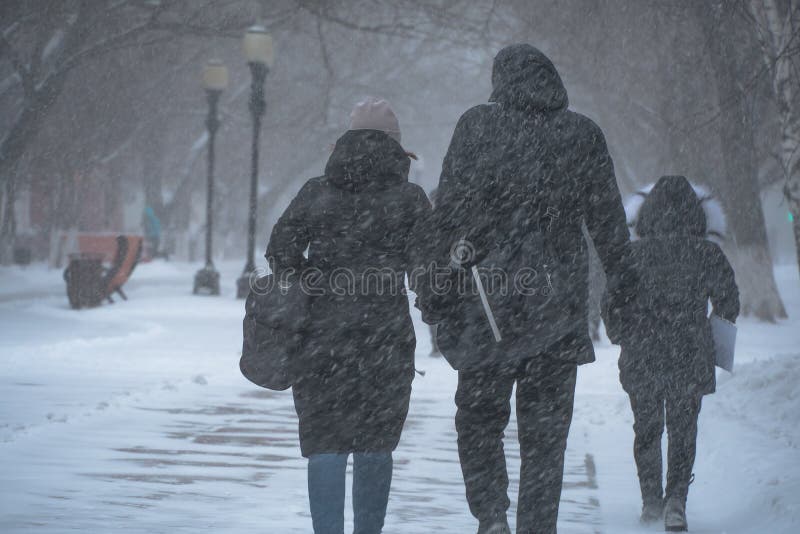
231,463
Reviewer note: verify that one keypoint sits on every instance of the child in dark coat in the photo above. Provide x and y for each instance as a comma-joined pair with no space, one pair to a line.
667,359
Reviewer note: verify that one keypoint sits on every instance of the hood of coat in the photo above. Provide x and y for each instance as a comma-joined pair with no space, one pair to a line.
672,207
365,159
524,78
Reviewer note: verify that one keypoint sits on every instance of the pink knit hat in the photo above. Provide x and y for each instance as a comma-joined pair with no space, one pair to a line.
375,114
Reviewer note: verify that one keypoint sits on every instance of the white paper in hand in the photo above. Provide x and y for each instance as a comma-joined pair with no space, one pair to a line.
724,333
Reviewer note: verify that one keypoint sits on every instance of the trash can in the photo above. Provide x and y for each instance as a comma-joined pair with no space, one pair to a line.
22,255
85,280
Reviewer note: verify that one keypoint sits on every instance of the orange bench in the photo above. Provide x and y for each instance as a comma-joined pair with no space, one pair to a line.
88,283
127,255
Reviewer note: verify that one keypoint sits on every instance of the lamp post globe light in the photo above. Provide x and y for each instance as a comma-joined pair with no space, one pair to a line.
215,80
257,46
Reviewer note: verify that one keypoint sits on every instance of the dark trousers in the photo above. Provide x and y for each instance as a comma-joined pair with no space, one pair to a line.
545,394
682,412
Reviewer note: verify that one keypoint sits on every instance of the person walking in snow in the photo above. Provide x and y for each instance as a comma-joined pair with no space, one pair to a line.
353,379
667,359
152,231
520,178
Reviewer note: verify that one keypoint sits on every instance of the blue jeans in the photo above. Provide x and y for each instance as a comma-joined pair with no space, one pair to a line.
372,478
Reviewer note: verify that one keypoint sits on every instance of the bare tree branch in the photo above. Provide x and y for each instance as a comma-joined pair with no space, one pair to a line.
18,64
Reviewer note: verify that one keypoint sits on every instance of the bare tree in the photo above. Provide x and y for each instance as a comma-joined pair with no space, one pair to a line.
645,77
777,28
733,73
43,42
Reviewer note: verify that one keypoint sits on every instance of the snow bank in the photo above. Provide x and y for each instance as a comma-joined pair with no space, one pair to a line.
748,462
766,394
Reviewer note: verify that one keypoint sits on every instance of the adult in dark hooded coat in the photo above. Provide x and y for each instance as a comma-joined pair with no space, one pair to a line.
667,359
522,176
353,378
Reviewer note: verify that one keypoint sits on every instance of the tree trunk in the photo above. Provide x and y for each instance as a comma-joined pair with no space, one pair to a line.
9,225
739,186
774,30
753,261
796,228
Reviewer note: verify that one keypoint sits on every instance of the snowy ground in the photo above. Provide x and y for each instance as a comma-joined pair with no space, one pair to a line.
133,418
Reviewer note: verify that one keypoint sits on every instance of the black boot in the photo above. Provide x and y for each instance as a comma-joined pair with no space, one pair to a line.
652,511
675,515
494,527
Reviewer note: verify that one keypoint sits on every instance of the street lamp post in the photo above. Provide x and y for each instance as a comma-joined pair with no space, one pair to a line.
215,80
257,46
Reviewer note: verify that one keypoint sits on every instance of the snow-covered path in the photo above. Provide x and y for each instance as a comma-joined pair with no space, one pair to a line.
134,418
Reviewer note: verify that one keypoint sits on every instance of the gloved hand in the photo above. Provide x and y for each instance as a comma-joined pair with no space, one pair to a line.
437,304
620,306
435,308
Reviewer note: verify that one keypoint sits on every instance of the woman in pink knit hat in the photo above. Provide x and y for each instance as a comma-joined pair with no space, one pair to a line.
353,377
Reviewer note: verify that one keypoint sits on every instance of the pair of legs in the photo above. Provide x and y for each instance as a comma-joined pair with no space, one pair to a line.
545,394
372,478
682,411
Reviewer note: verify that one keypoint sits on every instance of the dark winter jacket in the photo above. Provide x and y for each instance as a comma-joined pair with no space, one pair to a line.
353,378
488,193
666,335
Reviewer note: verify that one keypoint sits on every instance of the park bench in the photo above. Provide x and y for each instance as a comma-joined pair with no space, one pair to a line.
89,282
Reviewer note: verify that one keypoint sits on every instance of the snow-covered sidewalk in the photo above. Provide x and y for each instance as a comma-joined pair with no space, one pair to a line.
134,418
